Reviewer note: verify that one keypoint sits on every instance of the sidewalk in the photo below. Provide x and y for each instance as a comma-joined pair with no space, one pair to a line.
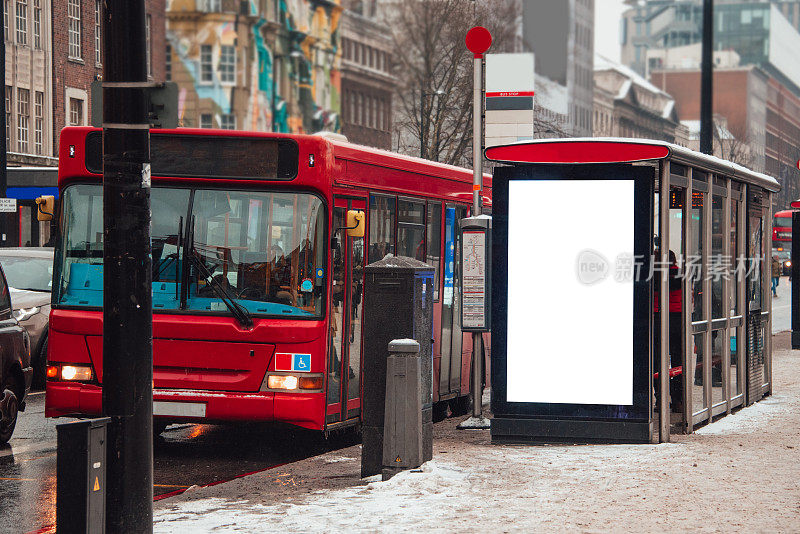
741,473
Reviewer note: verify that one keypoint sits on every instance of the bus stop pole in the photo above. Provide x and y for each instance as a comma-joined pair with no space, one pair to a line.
127,277
477,186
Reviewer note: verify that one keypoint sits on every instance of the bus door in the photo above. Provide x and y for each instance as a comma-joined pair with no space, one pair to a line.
757,309
347,287
451,362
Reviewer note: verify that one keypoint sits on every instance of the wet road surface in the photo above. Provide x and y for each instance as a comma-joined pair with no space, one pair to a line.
184,455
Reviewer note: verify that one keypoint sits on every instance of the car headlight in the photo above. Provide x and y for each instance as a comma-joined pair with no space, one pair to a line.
23,314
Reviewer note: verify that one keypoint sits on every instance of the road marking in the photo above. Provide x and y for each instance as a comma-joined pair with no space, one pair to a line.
38,457
170,486
35,393
38,447
20,479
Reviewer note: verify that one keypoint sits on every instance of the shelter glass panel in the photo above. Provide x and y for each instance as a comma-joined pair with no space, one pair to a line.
737,352
754,285
734,293
694,255
718,264
696,360
717,354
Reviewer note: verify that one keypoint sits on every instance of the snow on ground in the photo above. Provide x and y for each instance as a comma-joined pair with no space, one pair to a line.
741,473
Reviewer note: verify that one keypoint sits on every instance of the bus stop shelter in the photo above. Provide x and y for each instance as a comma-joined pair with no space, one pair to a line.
630,290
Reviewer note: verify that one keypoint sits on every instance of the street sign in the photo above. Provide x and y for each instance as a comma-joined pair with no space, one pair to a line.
8,205
475,273
509,98
478,40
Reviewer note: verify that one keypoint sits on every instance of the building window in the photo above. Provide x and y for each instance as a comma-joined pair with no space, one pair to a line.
22,22
5,19
205,121
37,24
75,112
98,42
168,63
38,123
209,6
8,117
206,66
227,64
74,16
228,121
23,116
148,44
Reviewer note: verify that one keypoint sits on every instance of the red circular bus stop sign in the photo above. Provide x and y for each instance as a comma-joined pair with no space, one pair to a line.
478,40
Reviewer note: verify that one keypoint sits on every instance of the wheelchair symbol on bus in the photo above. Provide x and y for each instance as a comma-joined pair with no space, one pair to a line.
301,362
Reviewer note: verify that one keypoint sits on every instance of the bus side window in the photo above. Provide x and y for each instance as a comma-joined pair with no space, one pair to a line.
434,243
411,229
381,226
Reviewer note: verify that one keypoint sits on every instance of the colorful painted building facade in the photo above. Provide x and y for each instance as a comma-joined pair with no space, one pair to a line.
263,65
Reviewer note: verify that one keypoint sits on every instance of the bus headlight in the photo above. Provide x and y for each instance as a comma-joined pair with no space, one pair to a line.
295,383
81,373
282,382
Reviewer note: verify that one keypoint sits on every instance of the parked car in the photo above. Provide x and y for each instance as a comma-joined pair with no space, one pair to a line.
29,272
15,365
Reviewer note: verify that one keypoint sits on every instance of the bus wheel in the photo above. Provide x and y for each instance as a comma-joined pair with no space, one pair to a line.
440,411
461,405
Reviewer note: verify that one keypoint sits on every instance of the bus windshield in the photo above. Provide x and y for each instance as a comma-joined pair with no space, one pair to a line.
782,222
265,251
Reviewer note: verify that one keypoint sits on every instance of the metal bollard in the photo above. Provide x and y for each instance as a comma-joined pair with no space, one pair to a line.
402,427
81,476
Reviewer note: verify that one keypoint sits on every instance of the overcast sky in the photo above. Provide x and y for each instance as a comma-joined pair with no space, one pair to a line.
607,14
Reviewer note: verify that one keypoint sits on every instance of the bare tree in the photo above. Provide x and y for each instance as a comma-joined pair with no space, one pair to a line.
733,146
433,69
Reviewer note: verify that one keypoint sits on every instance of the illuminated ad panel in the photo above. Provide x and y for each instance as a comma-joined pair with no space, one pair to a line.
571,302
570,291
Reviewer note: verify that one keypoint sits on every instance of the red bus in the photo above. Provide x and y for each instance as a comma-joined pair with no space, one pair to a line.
782,231
251,217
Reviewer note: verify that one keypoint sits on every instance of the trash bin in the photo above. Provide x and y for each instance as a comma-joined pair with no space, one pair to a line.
398,304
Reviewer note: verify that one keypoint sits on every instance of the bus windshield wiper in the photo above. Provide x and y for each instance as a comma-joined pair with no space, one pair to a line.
239,312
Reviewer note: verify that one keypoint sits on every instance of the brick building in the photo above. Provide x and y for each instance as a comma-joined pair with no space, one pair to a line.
761,112
78,61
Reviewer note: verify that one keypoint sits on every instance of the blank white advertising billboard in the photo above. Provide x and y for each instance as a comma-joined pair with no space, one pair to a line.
570,291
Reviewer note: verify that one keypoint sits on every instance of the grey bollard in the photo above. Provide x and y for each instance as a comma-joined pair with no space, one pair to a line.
402,426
